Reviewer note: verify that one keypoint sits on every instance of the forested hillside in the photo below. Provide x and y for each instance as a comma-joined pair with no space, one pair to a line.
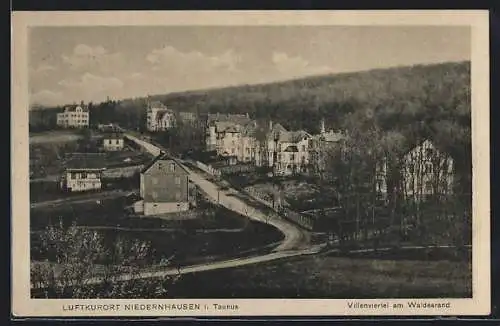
418,101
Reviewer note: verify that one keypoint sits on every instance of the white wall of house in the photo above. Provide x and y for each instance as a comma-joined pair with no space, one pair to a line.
76,119
114,144
228,143
163,208
81,181
155,124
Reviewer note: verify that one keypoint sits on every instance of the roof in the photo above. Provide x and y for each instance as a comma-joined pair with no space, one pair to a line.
250,129
226,126
72,108
114,135
163,157
276,130
240,119
161,114
85,161
291,148
157,104
332,136
293,136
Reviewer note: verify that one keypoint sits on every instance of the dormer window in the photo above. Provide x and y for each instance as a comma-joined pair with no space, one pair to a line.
172,167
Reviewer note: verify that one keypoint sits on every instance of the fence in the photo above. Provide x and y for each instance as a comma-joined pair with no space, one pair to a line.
122,172
208,169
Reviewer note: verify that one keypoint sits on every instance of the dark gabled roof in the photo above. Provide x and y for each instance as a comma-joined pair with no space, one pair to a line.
156,104
162,113
114,135
291,148
72,108
85,161
161,157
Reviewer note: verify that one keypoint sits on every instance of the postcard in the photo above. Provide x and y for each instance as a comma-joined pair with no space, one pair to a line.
250,163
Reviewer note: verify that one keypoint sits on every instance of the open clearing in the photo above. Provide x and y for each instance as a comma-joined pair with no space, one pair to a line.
54,137
323,276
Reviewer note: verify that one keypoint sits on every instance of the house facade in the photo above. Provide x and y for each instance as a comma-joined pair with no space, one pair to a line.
83,172
165,187
222,129
425,171
74,116
113,142
322,146
288,151
159,117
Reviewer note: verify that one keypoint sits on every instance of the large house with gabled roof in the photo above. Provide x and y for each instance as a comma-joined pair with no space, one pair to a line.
159,117
425,170
165,186
74,116
288,151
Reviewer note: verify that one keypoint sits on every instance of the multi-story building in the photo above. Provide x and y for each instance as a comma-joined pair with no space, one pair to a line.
165,187
159,117
74,116
288,151
424,171
322,146
189,118
83,172
217,125
113,142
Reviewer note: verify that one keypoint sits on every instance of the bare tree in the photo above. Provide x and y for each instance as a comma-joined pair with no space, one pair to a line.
82,264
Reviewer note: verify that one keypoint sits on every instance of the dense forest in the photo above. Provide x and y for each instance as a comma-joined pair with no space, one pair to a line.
421,101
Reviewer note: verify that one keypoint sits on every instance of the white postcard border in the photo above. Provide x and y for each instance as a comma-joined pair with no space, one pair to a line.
24,306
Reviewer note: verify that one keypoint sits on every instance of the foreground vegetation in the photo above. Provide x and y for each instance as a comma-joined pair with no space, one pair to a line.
333,278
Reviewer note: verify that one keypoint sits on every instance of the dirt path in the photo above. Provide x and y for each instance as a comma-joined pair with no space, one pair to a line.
84,198
293,235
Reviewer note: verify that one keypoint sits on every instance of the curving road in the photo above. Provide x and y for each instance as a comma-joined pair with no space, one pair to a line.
294,237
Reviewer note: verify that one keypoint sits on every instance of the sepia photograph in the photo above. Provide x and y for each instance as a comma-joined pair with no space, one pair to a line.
196,165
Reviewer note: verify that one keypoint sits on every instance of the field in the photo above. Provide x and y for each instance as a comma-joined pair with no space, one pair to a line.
324,276
216,233
59,136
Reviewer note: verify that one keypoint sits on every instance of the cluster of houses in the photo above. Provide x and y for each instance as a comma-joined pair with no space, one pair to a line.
287,152
165,185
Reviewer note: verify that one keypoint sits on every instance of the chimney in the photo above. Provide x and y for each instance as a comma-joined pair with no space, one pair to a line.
247,115
322,126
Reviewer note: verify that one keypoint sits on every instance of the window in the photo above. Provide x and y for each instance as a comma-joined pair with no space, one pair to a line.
117,142
411,168
428,187
172,167
154,194
292,157
303,148
177,195
177,180
429,152
232,150
84,175
428,167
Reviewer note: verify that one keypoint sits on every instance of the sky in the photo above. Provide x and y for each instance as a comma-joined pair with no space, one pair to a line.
73,64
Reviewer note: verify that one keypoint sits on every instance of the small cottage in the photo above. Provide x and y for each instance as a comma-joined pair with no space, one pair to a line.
82,173
113,142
